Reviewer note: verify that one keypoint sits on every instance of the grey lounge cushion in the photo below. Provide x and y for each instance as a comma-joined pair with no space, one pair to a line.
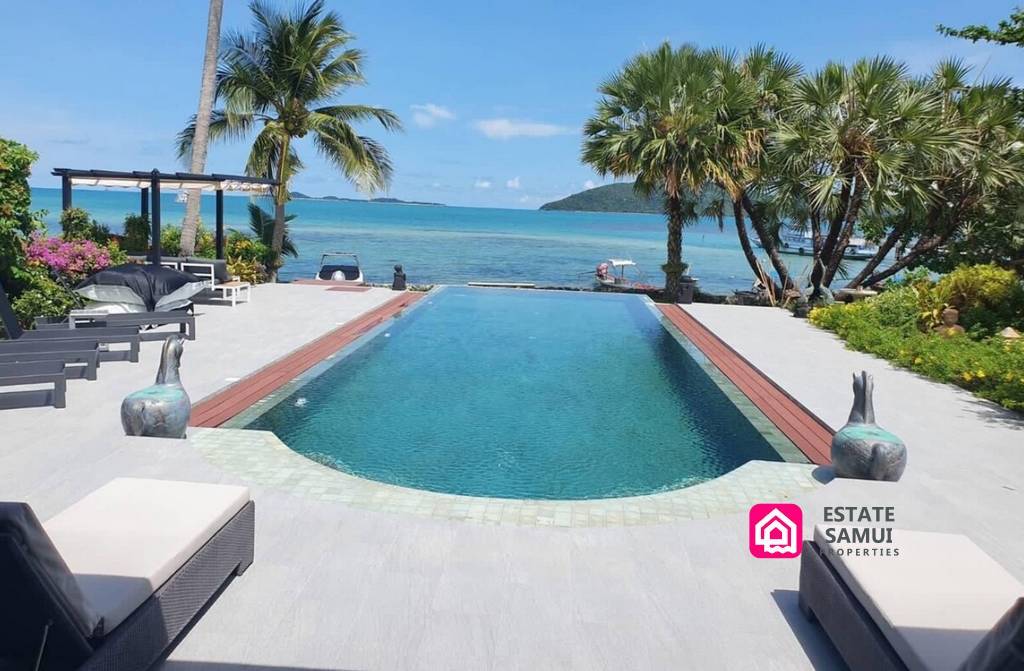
935,601
220,267
1002,649
18,520
124,540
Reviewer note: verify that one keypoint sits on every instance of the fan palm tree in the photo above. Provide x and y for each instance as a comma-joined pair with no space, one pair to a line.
197,160
750,92
652,124
852,136
282,82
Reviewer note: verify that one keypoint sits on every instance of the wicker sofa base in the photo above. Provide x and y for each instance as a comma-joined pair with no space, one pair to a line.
825,598
149,632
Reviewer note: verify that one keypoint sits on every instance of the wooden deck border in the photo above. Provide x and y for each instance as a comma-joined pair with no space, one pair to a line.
811,435
222,405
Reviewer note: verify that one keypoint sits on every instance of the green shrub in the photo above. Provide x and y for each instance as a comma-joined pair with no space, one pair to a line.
991,367
988,297
170,242
136,233
17,222
77,224
43,297
899,308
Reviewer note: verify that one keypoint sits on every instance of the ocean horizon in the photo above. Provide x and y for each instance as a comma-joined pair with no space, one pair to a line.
455,245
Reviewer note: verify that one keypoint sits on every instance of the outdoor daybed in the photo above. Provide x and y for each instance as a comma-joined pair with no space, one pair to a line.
25,373
105,335
113,580
185,322
82,356
942,603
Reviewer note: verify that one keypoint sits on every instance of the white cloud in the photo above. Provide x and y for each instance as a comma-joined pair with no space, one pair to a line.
513,183
589,184
503,129
482,184
428,114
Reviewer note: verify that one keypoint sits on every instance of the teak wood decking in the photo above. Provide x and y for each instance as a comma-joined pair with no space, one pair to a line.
805,430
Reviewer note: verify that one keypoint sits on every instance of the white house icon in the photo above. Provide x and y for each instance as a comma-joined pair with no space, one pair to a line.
776,534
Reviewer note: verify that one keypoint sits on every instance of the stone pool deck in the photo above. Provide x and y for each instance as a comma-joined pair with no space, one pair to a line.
341,586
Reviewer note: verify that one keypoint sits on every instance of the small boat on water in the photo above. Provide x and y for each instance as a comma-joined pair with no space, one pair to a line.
612,274
795,242
340,268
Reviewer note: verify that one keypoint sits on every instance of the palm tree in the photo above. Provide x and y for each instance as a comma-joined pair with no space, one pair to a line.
652,124
750,94
852,136
282,81
261,223
197,162
963,187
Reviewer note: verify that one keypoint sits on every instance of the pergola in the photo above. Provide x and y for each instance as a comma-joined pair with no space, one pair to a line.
150,183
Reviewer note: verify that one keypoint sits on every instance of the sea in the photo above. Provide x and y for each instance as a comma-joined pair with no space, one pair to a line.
455,245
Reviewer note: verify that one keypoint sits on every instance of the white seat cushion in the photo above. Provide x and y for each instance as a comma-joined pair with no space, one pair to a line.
935,601
124,540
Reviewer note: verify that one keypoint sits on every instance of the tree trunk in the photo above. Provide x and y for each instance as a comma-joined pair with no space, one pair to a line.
201,140
768,243
741,233
850,221
883,250
835,225
918,251
748,251
674,262
277,241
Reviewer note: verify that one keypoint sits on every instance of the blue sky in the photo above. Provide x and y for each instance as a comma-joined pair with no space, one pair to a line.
492,95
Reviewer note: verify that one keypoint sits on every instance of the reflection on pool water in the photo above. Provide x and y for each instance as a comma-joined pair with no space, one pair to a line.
520,394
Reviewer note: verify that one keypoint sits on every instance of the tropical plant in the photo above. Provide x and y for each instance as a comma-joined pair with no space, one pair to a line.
17,222
136,233
72,260
197,160
261,223
992,368
653,123
78,224
857,141
43,297
751,94
956,192
283,81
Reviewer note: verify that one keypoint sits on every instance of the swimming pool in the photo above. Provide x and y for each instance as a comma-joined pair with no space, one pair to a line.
522,394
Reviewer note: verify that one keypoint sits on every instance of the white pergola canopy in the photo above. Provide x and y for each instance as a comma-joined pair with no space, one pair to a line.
151,183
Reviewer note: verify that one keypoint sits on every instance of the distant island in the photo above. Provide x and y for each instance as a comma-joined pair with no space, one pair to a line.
619,197
298,195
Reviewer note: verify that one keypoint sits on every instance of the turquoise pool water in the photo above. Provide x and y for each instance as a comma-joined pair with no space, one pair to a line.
519,394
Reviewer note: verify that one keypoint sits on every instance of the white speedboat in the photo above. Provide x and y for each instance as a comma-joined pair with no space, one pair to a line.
795,242
340,268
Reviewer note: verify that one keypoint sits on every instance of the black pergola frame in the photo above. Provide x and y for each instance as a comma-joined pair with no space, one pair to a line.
151,193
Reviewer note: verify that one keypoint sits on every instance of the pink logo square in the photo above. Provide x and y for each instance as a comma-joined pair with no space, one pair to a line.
776,530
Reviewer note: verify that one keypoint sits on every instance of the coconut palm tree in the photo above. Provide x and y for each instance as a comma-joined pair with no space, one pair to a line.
197,160
261,223
652,124
282,82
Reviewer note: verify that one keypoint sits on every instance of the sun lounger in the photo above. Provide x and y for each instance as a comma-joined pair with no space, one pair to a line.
81,357
86,319
28,373
113,580
127,334
942,603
